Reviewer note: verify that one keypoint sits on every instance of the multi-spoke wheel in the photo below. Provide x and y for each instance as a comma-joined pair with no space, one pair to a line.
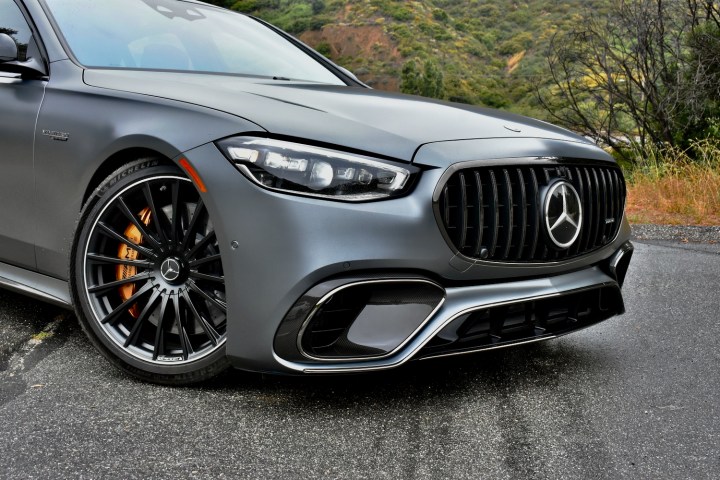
148,276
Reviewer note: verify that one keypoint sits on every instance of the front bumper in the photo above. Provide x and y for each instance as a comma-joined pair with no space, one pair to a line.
286,245
571,302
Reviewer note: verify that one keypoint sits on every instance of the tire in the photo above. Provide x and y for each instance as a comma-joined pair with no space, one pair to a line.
146,276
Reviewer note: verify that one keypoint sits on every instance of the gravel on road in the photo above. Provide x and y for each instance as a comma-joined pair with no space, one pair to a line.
679,233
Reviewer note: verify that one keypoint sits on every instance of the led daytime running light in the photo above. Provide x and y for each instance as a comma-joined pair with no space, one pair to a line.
315,171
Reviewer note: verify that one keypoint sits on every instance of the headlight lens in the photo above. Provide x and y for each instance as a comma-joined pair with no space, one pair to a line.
317,172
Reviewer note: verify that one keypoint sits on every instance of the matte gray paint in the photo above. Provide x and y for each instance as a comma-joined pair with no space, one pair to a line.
20,101
377,122
288,243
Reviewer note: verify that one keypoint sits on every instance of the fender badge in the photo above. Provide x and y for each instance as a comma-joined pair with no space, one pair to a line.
59,136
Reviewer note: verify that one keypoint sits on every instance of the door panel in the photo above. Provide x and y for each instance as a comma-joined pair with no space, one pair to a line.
20,102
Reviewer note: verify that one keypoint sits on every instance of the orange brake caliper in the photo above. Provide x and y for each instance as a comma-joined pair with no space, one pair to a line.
126,271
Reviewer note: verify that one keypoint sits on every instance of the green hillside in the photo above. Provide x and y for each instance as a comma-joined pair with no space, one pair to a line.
489,52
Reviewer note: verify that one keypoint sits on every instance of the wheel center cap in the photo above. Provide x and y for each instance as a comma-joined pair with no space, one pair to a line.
170,269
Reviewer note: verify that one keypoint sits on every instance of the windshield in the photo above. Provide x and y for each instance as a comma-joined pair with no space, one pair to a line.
176,35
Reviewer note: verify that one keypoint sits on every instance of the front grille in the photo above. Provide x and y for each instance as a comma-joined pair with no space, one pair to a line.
532,320
495,213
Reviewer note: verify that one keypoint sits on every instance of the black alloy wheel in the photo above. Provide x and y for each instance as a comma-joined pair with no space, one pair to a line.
148,276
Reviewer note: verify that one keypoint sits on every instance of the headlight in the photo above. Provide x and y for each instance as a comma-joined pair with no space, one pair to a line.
317,172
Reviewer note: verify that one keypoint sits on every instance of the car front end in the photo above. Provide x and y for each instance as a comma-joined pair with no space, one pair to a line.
464,260
244,201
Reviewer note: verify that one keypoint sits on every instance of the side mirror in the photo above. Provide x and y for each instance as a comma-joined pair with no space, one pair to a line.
9,60
8,48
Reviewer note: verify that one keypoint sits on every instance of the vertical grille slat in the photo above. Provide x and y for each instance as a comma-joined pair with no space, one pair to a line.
579,185
621,212
463,212
508,214
496,213
597,225
619,204
589,204
480,215
535,199
604,200
523,217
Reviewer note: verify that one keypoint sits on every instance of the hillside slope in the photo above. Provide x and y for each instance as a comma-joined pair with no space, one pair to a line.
489,52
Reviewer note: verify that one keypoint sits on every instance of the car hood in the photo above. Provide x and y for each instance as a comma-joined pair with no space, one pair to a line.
391,125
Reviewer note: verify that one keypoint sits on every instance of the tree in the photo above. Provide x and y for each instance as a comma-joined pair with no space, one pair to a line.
410,78
648,72
430,83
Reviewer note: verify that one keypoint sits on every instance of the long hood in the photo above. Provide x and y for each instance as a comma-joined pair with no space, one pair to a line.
367,120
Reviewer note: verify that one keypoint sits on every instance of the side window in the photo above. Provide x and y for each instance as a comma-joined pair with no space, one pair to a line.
13,23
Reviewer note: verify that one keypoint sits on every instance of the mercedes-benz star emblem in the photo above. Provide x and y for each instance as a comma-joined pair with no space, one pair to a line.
170,269
563,214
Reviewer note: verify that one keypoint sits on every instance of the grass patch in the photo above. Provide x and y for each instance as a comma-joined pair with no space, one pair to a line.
676,187
39,337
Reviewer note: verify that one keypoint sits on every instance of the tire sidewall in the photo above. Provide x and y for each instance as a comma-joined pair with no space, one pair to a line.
202,368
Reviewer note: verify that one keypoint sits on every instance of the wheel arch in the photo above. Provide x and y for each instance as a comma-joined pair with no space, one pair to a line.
116,160
124,150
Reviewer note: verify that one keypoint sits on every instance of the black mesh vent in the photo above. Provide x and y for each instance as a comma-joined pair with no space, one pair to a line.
495,213
525,321
333,319
326,334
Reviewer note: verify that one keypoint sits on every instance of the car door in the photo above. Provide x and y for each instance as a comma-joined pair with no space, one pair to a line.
20,100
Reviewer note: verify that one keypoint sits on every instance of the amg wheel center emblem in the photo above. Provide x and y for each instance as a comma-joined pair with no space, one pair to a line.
170,269
563,214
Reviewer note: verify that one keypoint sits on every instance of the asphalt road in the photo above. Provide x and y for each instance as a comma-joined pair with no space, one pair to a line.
635,397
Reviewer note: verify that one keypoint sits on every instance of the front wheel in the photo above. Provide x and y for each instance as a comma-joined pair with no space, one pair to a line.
147,276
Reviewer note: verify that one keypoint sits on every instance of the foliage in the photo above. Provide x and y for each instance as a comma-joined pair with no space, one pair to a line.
470,42
648,72
428,83
674,185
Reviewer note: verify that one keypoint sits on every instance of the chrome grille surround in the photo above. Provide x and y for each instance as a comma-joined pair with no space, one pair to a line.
493,211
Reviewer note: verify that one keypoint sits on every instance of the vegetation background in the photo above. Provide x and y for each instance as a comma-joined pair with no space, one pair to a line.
642,77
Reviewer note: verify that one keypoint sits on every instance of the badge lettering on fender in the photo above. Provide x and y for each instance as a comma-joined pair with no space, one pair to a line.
59,136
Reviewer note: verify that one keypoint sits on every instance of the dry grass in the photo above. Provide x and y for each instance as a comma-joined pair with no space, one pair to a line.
668,187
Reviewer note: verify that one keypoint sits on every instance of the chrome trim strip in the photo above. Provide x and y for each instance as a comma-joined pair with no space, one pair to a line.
327,297
625,251
514,162
495,347
33,292
36,285
429,337
615,259
457,303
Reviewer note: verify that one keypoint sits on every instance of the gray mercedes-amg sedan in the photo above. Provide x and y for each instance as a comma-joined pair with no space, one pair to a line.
206,191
